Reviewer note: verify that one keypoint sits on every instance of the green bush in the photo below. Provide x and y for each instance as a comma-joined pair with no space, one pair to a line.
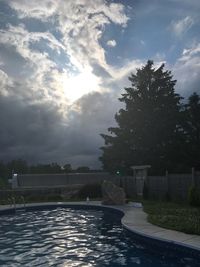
35,198
180,217
3,183
5,201
54,198
194,196
190,225
167,197
91,191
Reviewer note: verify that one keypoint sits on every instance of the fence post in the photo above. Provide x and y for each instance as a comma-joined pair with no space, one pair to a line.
193,176
167,181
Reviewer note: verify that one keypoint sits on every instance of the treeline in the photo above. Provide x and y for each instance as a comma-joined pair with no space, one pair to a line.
22,167
156,126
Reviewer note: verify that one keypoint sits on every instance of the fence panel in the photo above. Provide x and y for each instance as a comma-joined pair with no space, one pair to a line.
179,185
129,185
157,186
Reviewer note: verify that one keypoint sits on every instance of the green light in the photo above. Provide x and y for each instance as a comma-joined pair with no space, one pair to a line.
118,172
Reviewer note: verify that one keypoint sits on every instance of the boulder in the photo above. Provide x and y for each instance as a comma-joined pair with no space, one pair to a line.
112,194
70,192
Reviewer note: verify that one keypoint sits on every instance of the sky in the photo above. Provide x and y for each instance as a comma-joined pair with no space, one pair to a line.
65,63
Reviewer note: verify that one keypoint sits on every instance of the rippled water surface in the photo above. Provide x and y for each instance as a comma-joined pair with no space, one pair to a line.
67,237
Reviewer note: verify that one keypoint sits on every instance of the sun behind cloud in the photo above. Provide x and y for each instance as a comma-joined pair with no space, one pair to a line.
80,84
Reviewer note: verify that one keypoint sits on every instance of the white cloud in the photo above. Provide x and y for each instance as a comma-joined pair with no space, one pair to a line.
82,27
44,9
41,78
111,43
188,53
187,70
5,83
182,26
35,9
43,93
81,24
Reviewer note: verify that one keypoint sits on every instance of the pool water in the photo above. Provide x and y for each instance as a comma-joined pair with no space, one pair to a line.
71,237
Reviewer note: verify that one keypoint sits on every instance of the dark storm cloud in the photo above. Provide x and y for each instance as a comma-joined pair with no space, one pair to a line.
93,114
27,126
38,132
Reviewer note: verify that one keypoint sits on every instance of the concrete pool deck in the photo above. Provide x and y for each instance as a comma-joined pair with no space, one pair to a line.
135,220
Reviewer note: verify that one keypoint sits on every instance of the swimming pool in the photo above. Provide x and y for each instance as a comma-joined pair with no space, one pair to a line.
65,236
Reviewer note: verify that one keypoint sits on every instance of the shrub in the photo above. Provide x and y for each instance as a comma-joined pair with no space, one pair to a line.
167,197
194,196
91,191
173,216
3,183
54,198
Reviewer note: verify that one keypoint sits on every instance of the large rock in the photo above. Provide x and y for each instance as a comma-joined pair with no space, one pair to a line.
112,194
70,192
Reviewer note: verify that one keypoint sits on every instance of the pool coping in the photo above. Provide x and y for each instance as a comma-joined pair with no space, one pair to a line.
134,220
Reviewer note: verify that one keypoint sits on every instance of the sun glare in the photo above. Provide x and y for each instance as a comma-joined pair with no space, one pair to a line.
77,86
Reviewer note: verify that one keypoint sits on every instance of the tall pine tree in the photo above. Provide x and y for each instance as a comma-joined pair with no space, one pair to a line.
148,126
191,126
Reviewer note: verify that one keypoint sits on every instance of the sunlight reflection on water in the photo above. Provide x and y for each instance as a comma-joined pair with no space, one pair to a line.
66,237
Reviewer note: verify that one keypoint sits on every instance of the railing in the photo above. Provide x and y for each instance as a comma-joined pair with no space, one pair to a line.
13,203
23,201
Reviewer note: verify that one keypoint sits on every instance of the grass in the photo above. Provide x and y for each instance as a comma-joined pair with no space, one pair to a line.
180,217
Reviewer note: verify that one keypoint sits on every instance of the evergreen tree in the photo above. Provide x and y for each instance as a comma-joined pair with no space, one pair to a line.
148,127
191,126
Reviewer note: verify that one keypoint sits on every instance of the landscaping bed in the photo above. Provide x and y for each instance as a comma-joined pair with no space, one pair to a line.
183,218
